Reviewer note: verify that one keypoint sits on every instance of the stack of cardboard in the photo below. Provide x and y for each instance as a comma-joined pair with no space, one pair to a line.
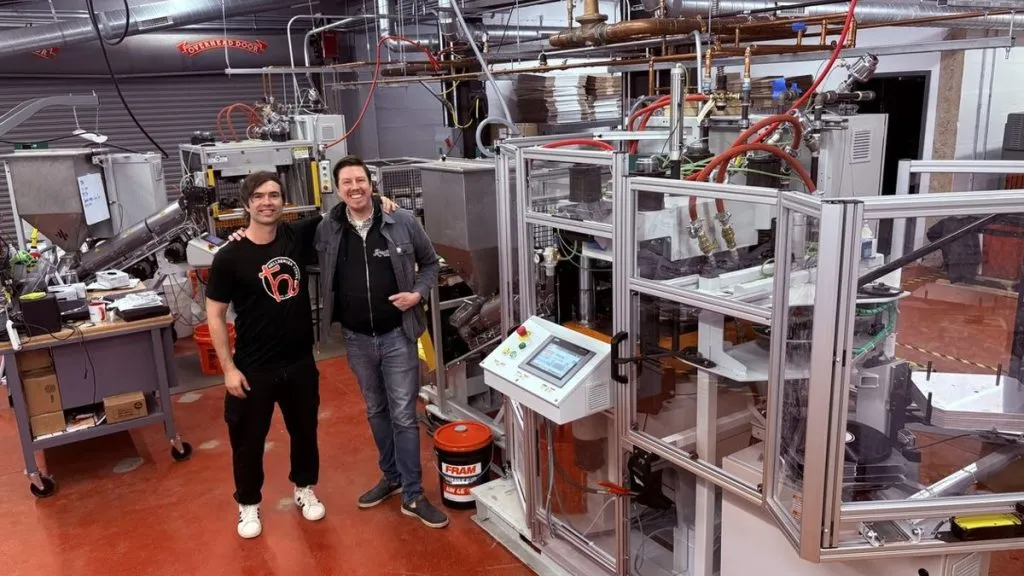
566,98
604,92
42,395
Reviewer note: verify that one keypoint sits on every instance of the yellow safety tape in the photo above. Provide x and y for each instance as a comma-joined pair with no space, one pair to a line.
948,357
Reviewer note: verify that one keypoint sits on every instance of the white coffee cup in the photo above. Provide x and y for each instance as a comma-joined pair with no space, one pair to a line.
97,312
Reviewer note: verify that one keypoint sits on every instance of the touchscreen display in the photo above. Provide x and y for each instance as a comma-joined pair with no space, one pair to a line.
555,360
213,240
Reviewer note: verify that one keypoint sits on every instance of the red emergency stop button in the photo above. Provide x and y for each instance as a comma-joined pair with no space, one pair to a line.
521,330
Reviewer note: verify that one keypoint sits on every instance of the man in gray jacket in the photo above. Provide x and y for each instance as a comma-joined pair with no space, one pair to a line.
375,270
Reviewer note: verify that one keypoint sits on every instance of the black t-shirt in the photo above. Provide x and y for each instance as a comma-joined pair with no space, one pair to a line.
269,288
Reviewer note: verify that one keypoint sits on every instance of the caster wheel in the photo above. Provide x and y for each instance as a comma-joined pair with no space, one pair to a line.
185,454
49,488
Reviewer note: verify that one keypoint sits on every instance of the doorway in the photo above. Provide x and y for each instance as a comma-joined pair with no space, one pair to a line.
904,97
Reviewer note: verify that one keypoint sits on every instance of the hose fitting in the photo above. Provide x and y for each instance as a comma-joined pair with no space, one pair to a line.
728,232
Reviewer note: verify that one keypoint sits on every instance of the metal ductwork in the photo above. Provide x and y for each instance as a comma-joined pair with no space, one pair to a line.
449,27
144,18
867,12
446,22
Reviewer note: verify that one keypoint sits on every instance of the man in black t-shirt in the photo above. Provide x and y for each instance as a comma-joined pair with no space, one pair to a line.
263,276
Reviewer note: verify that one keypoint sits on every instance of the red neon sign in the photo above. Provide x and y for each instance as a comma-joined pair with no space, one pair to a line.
194,48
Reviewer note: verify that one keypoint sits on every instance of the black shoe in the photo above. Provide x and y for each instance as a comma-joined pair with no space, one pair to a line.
425,511
379,493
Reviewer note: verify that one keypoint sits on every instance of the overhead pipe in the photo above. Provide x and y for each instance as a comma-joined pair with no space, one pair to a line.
451,31
700,62
343,20
868,12
144,18
446,23
591,13
601,33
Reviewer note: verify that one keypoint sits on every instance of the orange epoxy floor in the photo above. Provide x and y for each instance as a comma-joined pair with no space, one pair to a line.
178,518
162,517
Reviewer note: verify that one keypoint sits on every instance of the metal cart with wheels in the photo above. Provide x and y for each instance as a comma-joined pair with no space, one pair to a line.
93,362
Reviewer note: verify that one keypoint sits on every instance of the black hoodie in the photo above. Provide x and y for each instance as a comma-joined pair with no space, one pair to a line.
364,278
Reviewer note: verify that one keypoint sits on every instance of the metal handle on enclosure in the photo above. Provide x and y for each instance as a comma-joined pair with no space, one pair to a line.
617,339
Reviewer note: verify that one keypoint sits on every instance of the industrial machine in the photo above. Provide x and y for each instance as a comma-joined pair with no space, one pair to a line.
300,157
102,212
466,319
721,303
101,209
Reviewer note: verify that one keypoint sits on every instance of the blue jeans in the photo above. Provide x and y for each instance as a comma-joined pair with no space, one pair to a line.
388,370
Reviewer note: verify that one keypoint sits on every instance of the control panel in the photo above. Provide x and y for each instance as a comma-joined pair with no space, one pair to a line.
555,371
326,180
200,251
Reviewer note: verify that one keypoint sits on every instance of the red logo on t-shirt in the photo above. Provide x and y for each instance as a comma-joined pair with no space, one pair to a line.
281,278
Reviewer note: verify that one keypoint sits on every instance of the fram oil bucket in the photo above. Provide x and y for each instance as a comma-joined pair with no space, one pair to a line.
464,451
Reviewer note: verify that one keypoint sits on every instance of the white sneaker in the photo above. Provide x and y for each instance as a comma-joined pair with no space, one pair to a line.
249,525
306,500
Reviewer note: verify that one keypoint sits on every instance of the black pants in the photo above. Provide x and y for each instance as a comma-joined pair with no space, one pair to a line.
297,390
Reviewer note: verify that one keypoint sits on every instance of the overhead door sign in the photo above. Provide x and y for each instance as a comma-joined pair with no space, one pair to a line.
47,53
193,48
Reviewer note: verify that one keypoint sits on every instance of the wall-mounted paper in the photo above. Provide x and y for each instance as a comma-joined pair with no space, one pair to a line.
94,198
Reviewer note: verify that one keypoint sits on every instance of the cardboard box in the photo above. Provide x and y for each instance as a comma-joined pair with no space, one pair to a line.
49,423
33,360
123,407
42,394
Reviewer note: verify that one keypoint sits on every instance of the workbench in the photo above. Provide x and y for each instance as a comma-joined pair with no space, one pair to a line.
92,362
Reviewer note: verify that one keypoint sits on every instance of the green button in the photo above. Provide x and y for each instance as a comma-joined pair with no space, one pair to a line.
522,345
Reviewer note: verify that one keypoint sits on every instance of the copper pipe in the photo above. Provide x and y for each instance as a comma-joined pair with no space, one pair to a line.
800,37
591,13
824,31
568,7
851,39
650,78
428,68
746,63
601,34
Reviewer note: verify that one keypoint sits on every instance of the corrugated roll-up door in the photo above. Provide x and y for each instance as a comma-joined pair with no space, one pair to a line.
170,109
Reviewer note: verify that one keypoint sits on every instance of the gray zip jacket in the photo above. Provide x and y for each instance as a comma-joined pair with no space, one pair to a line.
410,249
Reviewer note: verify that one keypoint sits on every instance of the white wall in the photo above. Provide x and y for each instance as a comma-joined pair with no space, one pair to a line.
992,89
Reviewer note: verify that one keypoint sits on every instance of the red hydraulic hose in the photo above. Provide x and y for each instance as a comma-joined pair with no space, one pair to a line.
580,142
774,121
724,158
648,113
828,66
